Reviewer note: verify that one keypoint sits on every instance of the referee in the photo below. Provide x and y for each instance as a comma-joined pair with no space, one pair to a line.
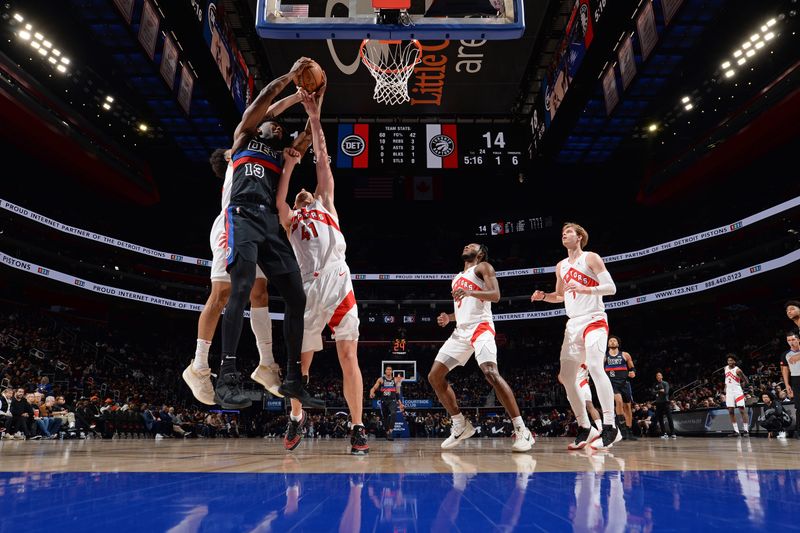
389,386
790,368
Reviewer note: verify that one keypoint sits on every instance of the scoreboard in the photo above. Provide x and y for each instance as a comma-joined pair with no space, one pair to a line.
425,147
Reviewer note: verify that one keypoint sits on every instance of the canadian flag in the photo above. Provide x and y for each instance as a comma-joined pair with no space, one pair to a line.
442,143
423,188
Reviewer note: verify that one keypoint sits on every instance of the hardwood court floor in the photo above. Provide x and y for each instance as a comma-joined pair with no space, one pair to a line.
400,456
408,485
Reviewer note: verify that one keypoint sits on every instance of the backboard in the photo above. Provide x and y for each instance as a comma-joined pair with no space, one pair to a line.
360,19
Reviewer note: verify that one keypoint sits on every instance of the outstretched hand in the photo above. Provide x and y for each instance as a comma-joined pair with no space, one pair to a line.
290,155
298,66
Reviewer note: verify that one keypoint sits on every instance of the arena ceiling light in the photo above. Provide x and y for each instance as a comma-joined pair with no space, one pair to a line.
41,44
142,127
748,49
652,127
110,99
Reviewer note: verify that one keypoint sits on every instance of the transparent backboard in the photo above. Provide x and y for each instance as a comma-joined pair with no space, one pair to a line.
358,19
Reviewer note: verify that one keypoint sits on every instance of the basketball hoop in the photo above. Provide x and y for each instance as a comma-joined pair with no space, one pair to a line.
391,64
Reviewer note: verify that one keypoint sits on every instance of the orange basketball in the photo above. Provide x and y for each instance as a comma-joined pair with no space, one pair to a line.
311,77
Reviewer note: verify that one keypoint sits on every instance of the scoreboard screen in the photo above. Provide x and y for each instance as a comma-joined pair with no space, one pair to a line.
425,147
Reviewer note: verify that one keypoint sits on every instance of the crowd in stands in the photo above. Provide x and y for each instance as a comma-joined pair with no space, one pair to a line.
66,380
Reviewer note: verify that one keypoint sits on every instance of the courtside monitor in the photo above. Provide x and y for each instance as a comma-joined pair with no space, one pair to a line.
390,19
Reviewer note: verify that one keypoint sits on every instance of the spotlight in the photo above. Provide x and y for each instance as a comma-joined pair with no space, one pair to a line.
741,61
769,36
18,17
52,60
688,107
746,45
685,99
759,45
737,53
24,35
56,52
771,22
142,127
47,44
106,106
750,53
65,60
652,127
764,28
729,74
61,68
43,51
38,35
35,44
28,27
726,64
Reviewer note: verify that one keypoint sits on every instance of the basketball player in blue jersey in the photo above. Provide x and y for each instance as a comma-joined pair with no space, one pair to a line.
198,374
255,237
620,369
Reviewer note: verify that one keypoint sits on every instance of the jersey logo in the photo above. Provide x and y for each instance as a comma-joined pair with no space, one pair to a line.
580,277
467,285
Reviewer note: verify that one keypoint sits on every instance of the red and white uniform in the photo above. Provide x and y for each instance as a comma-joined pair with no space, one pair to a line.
474,331
734,395
582,379
320,248
586,312
219,236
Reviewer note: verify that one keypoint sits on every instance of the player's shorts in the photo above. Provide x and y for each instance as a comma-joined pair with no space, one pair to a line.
630,390
466,340
582,379
623,388
255,234
734,397
329,300
574,346
218,240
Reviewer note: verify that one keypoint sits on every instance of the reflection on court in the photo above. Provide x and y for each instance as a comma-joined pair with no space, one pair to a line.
252,485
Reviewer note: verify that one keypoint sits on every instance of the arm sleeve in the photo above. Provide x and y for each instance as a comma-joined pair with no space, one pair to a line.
400,392
606,287
666,391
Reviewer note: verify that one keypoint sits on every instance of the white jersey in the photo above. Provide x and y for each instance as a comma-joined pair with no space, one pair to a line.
316,238
218,236
732,379
580,304
471,310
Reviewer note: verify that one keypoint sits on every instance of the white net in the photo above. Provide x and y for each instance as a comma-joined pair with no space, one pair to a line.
391,64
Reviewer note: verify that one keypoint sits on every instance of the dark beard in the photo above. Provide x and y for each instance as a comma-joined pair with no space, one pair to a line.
468,258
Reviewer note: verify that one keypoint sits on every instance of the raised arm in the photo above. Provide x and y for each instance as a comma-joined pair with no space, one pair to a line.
555,297
291,158
325,186
492,291
258,109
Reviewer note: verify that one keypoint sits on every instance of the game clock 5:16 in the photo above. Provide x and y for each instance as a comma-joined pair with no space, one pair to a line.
482,147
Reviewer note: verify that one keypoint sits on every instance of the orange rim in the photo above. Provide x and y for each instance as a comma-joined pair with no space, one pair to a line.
373,66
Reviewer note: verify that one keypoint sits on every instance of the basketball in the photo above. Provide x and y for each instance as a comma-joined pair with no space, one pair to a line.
311,77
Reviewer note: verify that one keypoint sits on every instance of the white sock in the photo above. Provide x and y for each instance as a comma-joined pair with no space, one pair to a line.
518,423
598,424
261,324
735,427
458,420
201,354
296,418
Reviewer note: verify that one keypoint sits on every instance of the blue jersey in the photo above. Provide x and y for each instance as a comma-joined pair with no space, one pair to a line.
256,171
616,367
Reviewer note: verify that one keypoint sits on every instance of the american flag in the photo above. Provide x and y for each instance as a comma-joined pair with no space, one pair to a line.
296,10
373,188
